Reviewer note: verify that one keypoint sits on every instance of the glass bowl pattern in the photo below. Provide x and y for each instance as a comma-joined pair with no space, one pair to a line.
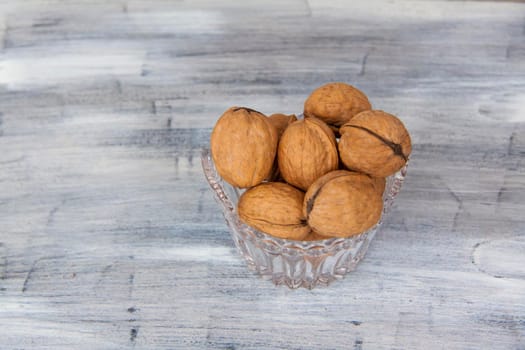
294,263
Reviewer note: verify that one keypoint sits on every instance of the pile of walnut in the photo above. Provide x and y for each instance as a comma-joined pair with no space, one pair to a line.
315,178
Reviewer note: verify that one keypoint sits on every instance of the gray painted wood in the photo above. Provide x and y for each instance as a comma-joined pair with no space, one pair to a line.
110,238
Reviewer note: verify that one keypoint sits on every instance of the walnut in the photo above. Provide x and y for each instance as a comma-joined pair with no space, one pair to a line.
375,143
307,150
379,183
281,121
342,204
243,146
314,236
336,103
274,208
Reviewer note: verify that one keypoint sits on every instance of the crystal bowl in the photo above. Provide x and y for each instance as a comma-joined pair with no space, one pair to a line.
294,263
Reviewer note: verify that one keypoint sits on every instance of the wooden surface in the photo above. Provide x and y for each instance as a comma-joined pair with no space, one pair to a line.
109,235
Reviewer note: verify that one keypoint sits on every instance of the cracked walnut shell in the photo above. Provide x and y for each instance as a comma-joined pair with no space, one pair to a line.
336,103
274,208
243,146
375,143
342,204
307,150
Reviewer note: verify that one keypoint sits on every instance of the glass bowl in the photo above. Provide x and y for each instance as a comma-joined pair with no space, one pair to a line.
294,263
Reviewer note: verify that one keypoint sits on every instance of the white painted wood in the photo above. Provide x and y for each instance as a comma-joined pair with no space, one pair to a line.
110,238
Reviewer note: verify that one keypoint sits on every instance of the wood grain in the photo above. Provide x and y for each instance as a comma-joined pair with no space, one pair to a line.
109,235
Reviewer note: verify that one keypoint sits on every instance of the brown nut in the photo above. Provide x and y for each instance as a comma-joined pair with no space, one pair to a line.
307,150
375,143
379,183
336,103
314,236
275,208
243,146
281,121
342,204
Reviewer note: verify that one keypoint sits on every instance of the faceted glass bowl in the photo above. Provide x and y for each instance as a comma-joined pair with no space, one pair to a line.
294,263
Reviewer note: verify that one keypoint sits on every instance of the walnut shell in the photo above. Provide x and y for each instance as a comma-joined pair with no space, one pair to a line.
375,143
281,121
379,183
243,146
314,236
336,103
307,150
275,208
342,204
